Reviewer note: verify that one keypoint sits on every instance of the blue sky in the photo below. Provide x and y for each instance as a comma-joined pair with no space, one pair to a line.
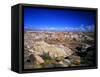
53,19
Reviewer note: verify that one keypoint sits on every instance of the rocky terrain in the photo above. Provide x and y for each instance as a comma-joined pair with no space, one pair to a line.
58,49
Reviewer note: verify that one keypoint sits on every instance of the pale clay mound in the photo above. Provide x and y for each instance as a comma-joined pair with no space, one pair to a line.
54,51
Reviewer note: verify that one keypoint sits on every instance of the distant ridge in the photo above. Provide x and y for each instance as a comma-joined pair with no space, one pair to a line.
65,29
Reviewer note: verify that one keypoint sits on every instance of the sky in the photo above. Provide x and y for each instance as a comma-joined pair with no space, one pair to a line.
58,19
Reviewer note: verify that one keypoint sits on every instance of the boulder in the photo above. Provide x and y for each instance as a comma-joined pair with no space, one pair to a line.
36,59
67,61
